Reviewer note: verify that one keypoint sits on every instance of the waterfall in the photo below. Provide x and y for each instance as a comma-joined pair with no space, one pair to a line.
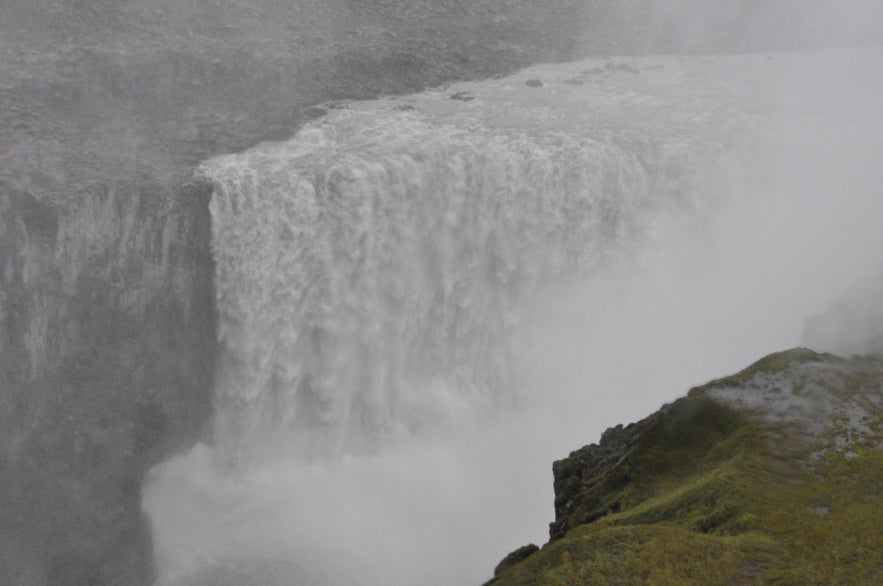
423,300
370,271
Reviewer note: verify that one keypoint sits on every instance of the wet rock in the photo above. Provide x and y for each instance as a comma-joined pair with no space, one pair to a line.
586,467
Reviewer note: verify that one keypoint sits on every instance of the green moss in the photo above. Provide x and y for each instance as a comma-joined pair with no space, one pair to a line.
709,495
692,437
772,363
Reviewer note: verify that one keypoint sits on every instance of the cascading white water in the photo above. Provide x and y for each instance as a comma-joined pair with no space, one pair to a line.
378,274
371,271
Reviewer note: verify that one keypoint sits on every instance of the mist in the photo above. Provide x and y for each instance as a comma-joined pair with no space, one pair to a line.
769,233
189,399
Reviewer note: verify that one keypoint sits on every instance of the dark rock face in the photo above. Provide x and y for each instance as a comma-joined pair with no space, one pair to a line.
107,364
605,478
585,468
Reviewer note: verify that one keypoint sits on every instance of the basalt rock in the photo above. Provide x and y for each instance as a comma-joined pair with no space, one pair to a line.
735,483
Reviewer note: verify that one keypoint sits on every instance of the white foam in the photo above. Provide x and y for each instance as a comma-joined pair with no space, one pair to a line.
370,271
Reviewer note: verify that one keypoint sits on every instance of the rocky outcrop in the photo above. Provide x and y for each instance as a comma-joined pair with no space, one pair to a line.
588,483
733,483
585,469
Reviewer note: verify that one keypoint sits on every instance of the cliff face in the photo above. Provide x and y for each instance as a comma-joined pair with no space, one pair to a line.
768,476
106,361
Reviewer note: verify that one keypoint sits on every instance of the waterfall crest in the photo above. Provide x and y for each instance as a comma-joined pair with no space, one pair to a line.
371,270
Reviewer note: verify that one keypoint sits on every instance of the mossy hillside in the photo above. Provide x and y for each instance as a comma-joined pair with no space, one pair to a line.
687,438
714,493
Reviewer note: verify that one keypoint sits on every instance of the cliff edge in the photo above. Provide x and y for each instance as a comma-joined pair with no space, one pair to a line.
769,476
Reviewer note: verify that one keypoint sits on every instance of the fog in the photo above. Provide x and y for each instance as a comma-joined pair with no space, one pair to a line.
745,158
769,233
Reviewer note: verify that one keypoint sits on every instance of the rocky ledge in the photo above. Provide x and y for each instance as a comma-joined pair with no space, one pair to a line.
769,476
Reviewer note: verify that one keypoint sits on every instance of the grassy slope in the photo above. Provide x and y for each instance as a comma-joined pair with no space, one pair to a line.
719,493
